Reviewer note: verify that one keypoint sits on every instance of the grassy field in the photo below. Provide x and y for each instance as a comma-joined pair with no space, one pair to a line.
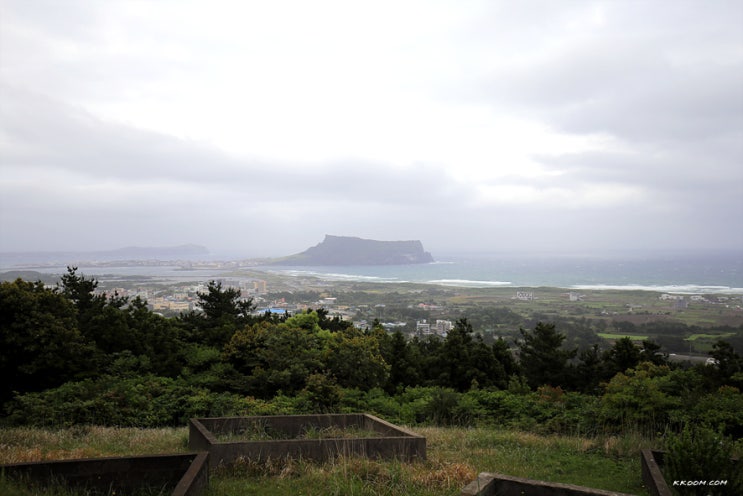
607,335
714,337
455,456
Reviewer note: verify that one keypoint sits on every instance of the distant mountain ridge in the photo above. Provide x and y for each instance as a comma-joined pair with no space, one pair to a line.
128,253
346,250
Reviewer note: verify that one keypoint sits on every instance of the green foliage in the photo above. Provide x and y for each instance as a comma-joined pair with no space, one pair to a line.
354,360
636,399
281,357
40,344
442,407
323,393
699,453
70,355
465,360
142,401
222,312
728,365
623,355
403,360
542,358
723,407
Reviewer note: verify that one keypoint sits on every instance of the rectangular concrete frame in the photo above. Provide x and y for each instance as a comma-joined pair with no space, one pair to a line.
187,474
491,484
392,443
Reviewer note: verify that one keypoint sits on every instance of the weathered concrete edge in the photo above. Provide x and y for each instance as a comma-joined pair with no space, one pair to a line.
196,479
191,483
394,441
490,484
393,427
199,437
652,476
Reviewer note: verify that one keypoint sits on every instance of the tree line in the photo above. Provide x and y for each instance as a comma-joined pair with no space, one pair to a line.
69,354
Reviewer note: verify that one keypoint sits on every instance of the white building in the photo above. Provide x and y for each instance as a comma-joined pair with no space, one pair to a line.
443,327
422,327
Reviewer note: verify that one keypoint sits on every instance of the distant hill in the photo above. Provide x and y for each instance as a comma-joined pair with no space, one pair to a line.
128,253
345,250
29,275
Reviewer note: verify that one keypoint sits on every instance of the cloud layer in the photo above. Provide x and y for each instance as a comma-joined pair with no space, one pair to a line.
256,128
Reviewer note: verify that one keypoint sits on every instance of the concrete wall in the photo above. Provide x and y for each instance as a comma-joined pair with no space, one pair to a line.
186,475
488,484
196,479
392,442
651,461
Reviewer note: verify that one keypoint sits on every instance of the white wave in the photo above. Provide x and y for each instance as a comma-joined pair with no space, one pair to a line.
334,276
467,283
668,288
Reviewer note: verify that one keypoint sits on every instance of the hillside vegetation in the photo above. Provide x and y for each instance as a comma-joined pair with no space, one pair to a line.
71,357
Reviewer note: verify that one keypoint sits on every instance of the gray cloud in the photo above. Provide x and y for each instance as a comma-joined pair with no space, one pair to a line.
45,134
655,86
645,72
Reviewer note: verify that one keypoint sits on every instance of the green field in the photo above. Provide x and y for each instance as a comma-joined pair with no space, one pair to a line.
455,457
607,335
713,337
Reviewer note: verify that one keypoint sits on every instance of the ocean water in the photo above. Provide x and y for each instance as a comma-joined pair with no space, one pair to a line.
692,274
681,274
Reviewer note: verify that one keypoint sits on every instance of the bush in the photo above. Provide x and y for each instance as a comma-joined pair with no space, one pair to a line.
146,401
322,393
635,399
441,408
699,453
414,404
723,408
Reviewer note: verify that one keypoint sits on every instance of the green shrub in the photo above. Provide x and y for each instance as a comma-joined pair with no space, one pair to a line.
441,408
414,404
635,399
322,393
146,401
699,453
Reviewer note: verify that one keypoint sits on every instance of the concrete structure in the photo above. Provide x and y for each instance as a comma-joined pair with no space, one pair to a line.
524,295
488,484
422,327
185,474
440,328
651,462
392,442
652,477
443,327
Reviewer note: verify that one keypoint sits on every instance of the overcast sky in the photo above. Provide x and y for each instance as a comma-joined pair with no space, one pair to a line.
255,128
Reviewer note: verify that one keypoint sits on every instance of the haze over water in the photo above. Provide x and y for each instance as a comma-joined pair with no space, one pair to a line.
690,273
680,273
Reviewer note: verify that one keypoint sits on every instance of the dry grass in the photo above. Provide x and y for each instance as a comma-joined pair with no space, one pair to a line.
343,475
23,444
455,457
261,432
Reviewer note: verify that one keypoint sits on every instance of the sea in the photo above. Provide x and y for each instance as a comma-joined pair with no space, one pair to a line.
692,274
672,273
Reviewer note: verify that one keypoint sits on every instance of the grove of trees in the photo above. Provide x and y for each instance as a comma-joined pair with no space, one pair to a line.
70,355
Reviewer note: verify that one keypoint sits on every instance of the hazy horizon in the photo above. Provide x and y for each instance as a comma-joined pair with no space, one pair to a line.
9,259
255,128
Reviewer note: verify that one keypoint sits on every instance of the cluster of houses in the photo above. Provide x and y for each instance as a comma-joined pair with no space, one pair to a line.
185,299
